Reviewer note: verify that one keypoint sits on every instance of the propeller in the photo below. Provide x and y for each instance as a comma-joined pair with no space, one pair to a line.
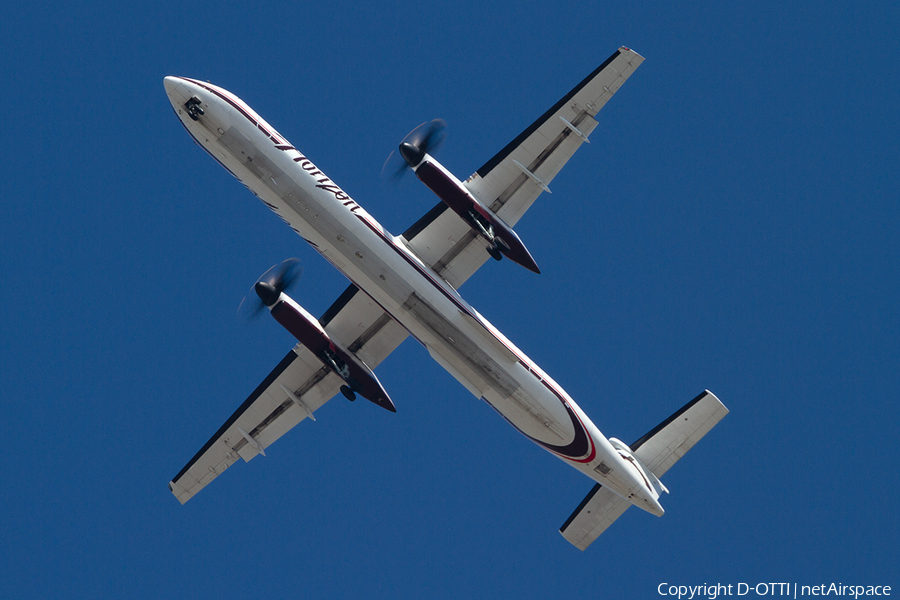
424,139
269,286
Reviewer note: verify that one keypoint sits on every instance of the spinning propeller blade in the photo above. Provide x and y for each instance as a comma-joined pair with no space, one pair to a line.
424,139
269,286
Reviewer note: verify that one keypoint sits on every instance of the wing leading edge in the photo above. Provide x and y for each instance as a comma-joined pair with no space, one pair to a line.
270,412
511,181
509,184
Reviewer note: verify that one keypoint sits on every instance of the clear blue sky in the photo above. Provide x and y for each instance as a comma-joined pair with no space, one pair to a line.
733,225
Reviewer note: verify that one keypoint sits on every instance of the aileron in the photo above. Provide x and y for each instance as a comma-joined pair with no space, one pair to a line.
222,449
269,412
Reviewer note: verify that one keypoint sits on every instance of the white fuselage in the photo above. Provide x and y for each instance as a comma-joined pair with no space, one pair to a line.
383,267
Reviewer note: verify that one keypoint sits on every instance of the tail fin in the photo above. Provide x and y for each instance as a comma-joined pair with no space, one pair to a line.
658,450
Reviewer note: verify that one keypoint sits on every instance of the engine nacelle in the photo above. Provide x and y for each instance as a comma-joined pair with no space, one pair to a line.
503,240
357,375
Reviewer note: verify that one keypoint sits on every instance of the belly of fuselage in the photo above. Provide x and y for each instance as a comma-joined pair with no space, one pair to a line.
327,218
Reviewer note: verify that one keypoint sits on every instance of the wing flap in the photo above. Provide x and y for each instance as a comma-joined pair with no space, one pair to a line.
544,147
512,180
446,245
364,328
275,413
357,323
254,416
517,197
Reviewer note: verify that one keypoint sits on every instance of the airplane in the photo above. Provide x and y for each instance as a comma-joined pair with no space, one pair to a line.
407,286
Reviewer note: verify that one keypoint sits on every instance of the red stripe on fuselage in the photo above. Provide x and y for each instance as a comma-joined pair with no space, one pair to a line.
242,108
586,456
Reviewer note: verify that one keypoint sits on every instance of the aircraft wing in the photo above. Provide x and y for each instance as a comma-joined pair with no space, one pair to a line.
511,181
269,412
444,242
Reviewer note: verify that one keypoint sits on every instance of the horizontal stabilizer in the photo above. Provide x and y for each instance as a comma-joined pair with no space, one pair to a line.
658,450
661,448
597,512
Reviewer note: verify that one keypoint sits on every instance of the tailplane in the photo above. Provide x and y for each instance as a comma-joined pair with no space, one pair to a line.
657,451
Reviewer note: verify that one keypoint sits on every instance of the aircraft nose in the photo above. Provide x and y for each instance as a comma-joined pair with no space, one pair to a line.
178,90
170,83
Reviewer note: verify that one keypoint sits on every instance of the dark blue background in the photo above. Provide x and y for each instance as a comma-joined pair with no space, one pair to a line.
733,225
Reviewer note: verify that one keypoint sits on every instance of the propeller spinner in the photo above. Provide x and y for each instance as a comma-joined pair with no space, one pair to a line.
424,139
269,286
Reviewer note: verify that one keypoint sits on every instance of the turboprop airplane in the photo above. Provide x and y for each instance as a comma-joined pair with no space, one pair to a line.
407,286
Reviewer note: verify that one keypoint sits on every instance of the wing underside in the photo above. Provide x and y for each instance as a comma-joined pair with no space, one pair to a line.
269,412
509,183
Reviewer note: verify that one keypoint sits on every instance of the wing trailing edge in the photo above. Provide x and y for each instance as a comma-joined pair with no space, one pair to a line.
510,182
292,392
